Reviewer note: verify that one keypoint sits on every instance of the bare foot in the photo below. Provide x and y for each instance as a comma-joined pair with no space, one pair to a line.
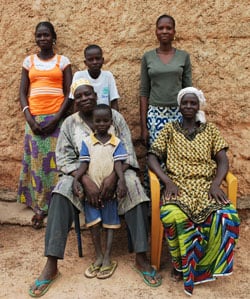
37,221
150,275
107,271
99,261
106,261
176,275
49,272
106,264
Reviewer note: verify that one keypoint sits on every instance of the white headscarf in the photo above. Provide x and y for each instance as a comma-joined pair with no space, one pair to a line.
200,115
78,83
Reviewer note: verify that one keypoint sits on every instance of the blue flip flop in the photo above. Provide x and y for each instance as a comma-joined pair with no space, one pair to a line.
39,283
144,275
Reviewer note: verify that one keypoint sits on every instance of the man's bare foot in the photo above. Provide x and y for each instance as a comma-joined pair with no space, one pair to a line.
49,273
149,274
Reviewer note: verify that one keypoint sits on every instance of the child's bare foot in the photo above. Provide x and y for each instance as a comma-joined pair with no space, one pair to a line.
94,268
107,271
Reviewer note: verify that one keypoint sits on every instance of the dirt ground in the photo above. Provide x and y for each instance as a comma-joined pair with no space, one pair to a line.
21,260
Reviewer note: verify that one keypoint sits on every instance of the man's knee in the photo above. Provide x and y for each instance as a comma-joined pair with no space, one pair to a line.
59,201
60,207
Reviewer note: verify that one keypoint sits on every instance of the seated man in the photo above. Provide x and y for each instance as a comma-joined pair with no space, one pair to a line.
134,206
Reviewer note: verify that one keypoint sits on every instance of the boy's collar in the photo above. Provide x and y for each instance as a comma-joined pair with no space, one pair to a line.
112,139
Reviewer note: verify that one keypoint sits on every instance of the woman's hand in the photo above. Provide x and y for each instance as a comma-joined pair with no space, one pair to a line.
50,127
171,190
221,171
91,191
218,194
108,187
35,127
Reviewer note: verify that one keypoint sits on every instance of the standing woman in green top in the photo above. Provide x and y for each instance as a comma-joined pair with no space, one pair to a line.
164,72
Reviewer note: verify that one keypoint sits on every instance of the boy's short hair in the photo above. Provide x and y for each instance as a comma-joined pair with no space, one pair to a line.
90,47
103,107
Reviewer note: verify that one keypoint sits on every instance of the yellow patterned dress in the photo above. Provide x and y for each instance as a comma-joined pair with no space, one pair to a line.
201,233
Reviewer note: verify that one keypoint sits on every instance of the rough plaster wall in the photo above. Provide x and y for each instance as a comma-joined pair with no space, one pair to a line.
215,33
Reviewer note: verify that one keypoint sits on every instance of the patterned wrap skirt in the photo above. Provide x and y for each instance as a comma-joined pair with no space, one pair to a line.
201,251
157,117
39,173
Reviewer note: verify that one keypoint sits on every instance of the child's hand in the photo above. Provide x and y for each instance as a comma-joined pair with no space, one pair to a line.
100,203
97,202
121,189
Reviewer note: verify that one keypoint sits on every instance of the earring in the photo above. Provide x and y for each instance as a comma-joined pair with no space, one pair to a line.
54,42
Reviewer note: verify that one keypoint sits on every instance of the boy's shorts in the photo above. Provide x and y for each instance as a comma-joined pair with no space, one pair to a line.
108,214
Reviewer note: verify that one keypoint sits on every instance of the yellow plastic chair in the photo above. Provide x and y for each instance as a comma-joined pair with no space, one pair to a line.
156,224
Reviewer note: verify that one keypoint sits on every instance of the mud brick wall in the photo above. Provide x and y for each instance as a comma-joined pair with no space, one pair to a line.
214,32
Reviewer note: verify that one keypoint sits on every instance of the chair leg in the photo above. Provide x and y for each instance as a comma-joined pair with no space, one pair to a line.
232,185
78,232
156,245
156,225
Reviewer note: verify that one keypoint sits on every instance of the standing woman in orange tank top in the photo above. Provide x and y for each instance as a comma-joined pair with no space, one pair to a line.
44,91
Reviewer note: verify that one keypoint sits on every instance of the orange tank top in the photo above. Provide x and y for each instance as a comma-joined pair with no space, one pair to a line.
46,89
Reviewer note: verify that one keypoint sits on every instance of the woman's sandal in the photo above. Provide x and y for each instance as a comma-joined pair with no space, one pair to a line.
37,221
176,275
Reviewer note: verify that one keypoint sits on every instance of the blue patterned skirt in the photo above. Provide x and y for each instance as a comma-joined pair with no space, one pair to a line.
157,117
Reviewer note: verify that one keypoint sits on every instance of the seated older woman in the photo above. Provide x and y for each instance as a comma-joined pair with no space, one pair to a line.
201,225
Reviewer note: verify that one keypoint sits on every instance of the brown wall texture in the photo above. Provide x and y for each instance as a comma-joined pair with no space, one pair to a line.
215,33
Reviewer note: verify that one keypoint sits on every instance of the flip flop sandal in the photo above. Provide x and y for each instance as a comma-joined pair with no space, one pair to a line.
92,271
39,283
107,271
144,275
